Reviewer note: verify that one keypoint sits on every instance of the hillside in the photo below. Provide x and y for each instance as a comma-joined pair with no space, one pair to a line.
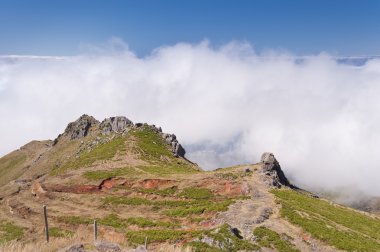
136,182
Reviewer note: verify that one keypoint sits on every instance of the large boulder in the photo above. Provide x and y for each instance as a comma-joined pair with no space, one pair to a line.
271,167
117,124
176,147
81,127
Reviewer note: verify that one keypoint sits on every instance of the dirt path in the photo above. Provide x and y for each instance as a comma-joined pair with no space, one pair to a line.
262,210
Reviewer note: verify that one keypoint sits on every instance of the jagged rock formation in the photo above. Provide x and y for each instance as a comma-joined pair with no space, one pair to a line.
271,167
81,127
117,124
177,149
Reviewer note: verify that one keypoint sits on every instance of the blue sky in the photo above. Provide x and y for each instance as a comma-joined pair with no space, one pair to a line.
50,27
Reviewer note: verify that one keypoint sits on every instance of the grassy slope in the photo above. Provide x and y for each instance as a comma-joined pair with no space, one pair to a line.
176,207
9,231
11,166
341,227
268,238
142,142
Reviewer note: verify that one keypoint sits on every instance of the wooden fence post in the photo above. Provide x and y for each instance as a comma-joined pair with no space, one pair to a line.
95,230
146,242
46,225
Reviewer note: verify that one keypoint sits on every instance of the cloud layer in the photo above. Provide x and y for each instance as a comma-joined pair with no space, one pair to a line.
227,105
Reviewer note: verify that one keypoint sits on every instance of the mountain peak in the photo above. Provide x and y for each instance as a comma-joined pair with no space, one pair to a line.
116,125
80,128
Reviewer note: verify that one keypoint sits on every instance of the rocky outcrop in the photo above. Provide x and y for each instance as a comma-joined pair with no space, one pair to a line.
103,246
73,248
81,127
271,167
117,124
176,147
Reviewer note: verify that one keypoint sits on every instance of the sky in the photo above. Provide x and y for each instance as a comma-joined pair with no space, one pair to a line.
51,27
232,79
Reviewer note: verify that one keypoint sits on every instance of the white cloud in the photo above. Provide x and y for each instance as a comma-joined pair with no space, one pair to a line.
227,105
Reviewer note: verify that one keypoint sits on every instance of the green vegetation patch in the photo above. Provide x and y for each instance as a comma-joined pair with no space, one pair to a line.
271,239
104,174
135,201
233,175
196,193
151,146
223,239
341,227
174,208
164,169
58,232
75,220
199,207
115,221
160,235
9,232
102,151
171,191
11,167
143,222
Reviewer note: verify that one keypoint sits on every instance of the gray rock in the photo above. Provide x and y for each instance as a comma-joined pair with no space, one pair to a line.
103,246
140,248
176,147
115,124
264,215
271,167
73,248
80,128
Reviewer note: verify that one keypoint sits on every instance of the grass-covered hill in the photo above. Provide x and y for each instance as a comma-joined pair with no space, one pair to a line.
135,181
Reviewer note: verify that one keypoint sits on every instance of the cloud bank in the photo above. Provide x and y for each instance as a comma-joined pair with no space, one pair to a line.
227,105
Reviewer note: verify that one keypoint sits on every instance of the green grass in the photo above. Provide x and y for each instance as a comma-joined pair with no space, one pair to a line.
160,235
135,201
115,221
232,175
271,239
75,220
340,227
11,167
9,232
58,232
150,145
143,223
196,193
118,172
174,208
171,191
164,169
103,151
198,207
223,240
132,201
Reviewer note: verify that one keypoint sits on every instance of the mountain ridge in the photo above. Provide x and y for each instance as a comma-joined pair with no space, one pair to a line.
136,182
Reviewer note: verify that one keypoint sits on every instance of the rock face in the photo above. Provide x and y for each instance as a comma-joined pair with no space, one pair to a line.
120,125
116,124
81,127
272,169
177,149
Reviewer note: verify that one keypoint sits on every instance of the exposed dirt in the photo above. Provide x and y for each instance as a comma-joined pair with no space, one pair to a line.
261,209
